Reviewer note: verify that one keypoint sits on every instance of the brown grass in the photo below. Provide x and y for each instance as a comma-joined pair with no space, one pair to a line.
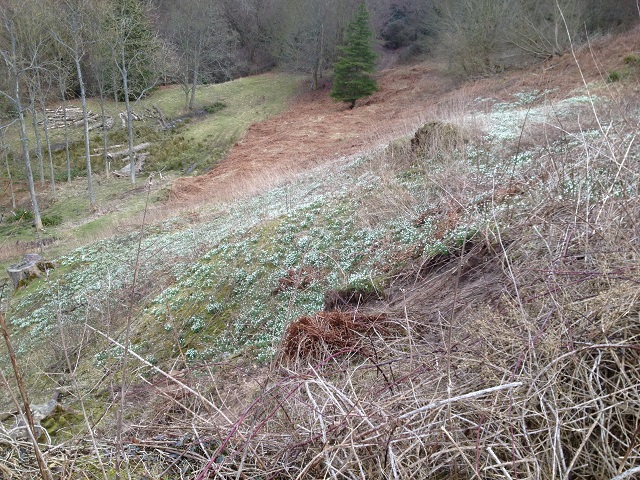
514,355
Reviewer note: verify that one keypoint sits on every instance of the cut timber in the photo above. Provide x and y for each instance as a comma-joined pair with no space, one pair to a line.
126,170
123,152
155,112
74,117
32,266
134,116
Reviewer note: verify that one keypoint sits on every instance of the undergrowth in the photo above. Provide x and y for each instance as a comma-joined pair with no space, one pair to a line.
495,331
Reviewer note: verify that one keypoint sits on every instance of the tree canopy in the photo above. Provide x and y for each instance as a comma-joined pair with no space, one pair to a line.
352,78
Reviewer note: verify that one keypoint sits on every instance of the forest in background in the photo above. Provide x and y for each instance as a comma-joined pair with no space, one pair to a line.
188,42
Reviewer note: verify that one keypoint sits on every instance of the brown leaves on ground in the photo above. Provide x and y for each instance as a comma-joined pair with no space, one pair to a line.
316,130
330,332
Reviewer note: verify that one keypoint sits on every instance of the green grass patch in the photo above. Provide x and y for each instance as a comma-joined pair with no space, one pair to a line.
223,112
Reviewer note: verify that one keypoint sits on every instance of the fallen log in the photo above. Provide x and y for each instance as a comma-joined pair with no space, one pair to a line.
125,171
123,152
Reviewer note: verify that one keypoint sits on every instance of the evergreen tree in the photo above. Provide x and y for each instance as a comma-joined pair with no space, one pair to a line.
351,79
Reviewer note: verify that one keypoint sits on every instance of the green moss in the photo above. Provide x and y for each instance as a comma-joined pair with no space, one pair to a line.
63,424
214,107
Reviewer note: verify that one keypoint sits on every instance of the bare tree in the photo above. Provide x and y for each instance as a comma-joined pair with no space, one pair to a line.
546,27
76,16
45,124
252,22
17,67
473,34
64,75
200,36
132,45
308,33
102,68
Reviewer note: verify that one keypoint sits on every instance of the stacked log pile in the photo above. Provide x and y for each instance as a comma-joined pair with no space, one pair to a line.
75,118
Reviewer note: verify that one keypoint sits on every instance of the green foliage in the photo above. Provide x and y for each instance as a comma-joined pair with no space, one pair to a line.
630,68
614,76
20,215
352,78
214,107
179,154
51,220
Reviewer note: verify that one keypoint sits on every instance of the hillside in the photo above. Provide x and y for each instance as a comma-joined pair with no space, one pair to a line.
339,297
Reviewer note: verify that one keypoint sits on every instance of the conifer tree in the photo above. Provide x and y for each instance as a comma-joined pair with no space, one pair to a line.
352,71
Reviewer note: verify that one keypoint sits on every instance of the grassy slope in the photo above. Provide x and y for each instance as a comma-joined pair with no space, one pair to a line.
549,197
197,142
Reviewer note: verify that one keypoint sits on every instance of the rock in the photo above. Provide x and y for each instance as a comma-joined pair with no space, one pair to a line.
41,413
32,266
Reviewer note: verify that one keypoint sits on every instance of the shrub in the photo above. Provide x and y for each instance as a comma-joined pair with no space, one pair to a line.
396,34
214,107
435,137
614,76
20,215
51,220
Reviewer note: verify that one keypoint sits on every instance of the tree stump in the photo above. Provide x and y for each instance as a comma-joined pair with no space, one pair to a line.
32,266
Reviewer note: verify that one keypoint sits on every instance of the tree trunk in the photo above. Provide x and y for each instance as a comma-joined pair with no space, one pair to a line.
23,137
194,84
5,153
36,131
32,266
105,132
196,71
87,149
317,64
125,88
63,88
25,152
45,124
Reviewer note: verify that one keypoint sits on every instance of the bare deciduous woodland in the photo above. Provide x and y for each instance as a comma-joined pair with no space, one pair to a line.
278,239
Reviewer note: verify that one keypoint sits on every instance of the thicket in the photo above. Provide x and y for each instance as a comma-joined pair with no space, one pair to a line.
486,36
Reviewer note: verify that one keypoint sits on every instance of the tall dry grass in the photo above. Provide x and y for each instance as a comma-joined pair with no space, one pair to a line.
515,355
